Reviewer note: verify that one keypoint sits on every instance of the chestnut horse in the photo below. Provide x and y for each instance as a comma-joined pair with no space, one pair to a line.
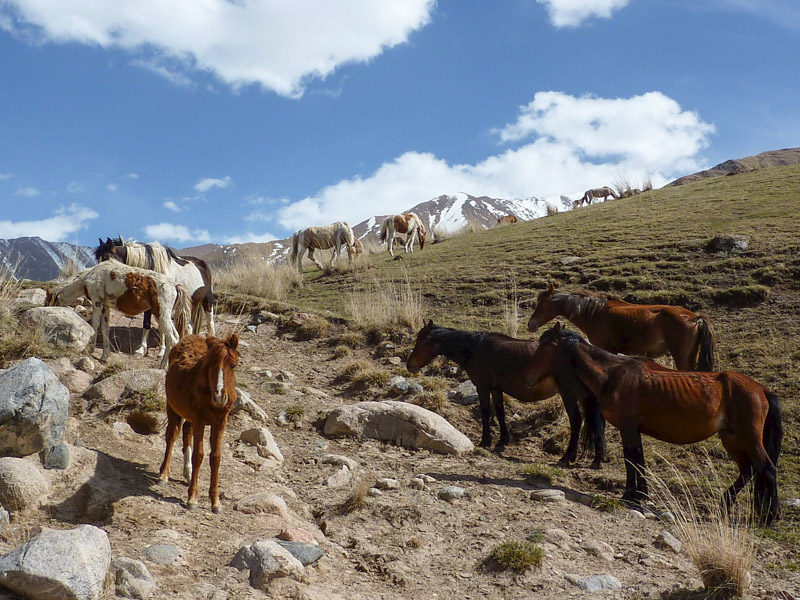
493,362
507,220
672,406
408,224
649,330
201,390
131,291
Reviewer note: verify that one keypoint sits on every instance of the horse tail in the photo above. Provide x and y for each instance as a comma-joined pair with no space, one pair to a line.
773,428
594,429
198,309
385,229
182,310
706,340
293,257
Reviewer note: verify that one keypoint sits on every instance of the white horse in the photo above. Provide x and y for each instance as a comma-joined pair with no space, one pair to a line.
589,195
324,237
130,290
193,273
407,223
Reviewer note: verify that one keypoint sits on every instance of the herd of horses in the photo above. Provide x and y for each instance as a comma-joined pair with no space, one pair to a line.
609,378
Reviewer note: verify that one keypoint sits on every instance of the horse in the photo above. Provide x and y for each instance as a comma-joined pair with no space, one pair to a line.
493,362
322,238
649,330
201,390
678,407
111,284
406,223
191,272
506,220
603,192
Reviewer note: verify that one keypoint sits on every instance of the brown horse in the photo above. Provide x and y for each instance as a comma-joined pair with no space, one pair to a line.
201,390
673,406
493,362
408,224
506,220
649,330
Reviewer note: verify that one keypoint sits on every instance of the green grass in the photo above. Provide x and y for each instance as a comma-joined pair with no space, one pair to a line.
518,556
545,473
606,503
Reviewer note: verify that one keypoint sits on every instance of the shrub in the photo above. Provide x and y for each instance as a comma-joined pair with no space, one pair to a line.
387,305
544,473
606,503
519,556
312,329
256,276
358,496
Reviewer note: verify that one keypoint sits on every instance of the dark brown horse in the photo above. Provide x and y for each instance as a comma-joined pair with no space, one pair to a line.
649,330
493,362
673,406
201,390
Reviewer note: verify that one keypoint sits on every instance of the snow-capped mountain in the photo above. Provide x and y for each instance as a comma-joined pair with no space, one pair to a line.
38,259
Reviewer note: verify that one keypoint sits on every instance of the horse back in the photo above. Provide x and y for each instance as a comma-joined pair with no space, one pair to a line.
401,223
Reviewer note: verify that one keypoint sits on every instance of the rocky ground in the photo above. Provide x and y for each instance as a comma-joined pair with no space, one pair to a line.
404,543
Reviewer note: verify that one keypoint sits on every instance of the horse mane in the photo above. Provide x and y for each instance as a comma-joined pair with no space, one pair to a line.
579,303
218,349
153,257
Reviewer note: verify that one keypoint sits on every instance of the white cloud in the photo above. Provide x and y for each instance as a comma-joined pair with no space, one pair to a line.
169,204
27,192
206,184
176,233
277,44
57,228
567,145
112,187
572,13
4,176
131,176
247,238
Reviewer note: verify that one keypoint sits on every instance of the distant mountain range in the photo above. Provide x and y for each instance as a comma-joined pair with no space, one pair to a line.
38,259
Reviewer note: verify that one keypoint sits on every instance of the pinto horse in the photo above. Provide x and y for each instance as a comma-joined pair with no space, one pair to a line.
324,237
201,390
649,330
131,291
408,224
678,407
493,362
507,220
193,273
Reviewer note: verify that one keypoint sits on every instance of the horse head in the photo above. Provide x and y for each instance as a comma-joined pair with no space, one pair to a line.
425,349
544,310
223,359
421,234
545,360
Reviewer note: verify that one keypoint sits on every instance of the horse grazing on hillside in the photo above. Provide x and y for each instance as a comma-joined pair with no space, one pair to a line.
649,330
507,220
408,224
494,362
678,407
201,390
324,237
603,192
111,284
193,273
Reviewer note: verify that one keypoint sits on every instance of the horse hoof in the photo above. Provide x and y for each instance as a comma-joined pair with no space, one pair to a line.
216,509
498,449
162,482
191,505
596,465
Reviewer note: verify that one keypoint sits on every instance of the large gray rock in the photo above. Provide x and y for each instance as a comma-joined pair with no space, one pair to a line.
22,484
59,564
27,299
267,560
138,381
34,407
246,404
60,326
400,423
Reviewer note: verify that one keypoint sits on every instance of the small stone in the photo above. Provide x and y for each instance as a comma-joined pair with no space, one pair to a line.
416,388
451,492
339,460
387,483
307,554
666,541
162,554
568,260
393,360
599,549
417,483
426,478
549,495
594,583
342,477
398,384
251,328
132,579
285,376
636,514
374,492
86,364
55,457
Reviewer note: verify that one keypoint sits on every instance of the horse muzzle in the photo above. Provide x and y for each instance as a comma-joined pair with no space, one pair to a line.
219,400
532,325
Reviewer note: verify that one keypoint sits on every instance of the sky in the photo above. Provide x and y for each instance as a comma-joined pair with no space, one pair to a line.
232,121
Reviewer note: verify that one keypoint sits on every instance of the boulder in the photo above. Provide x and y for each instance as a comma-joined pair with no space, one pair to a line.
33,408
125,383
132,579
60,326
265,444
267,560
69,564
728,242
22,484
246,404
27,299
399,423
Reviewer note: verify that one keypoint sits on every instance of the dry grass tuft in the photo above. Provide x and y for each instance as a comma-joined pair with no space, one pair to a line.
387,305
432,400
9,290
519,556
256,276
720,543
363,374
358,496
511,309
69,269
443,233
312,329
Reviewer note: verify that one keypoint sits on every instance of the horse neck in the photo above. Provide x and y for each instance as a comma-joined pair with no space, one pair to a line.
71,290
457,345
577,312
589,364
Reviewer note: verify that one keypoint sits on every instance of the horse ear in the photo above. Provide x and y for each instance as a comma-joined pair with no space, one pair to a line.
233,341
557,327
551,287
430,324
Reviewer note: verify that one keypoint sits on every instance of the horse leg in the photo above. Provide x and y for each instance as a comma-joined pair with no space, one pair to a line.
162,346
198,429
104,314
97,316
314,259
173,422
215,442
575,420
142,349
391,243
500,411
596,429
635,484
486,415
210,320
187,451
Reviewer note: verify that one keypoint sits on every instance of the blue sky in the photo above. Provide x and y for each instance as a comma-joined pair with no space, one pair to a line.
243,120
